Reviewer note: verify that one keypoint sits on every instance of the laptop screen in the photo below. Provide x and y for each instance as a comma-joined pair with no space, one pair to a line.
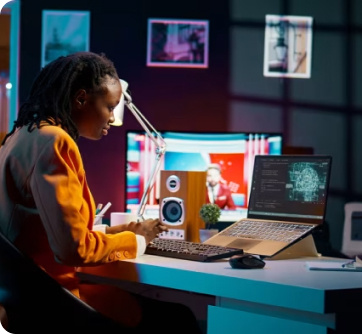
290,188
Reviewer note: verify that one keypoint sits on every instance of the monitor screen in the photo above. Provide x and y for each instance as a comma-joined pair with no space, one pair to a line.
189,151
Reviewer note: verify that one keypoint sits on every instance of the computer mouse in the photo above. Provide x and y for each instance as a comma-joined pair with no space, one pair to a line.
246,261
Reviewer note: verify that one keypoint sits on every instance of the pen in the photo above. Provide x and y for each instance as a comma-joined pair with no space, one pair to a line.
102,212
349,264
99,208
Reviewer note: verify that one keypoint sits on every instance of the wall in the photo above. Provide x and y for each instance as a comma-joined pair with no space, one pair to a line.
324,112
172,99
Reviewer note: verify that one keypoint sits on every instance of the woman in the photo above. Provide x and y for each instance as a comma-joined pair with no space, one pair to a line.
46,206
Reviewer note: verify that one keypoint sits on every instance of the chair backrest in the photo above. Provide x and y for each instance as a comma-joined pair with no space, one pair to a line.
35,301
3,318
352,230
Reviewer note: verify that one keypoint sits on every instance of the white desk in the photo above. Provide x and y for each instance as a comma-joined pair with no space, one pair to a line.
284,297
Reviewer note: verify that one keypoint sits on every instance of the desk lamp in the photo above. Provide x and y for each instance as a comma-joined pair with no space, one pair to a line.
152,133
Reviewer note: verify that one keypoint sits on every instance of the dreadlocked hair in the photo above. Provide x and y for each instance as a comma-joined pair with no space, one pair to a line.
50,97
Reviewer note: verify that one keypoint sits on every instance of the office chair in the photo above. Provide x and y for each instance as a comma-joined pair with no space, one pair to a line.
3,317
34,301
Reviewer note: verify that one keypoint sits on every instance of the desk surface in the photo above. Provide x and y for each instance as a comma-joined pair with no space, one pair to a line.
284,283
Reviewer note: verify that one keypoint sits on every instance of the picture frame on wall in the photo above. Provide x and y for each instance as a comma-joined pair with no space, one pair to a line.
177,43
288,46
63,33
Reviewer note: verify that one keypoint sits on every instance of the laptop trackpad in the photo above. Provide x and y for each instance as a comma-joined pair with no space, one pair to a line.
245,244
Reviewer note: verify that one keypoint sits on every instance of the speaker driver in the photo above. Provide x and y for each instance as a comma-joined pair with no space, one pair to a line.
173,183
172,211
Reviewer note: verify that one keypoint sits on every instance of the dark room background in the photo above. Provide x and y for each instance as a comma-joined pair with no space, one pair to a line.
323,112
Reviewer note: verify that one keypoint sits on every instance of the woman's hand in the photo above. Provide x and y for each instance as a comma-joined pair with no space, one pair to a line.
149,228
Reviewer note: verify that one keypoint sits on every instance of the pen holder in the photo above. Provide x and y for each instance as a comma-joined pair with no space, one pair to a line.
98,219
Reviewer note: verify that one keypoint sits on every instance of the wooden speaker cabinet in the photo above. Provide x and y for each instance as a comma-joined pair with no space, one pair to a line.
182,194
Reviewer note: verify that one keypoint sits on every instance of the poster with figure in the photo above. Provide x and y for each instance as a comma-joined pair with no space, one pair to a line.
288,46
63,33
177,43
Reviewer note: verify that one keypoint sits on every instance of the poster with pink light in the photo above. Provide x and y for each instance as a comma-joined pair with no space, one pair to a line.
177,43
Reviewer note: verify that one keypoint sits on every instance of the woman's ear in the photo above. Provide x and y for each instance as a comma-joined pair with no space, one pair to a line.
80,97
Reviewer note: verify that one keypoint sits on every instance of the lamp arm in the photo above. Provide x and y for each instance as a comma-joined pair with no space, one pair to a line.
146,125
160,150
150,183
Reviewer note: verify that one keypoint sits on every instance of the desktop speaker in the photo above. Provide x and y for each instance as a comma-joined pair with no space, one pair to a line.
182,193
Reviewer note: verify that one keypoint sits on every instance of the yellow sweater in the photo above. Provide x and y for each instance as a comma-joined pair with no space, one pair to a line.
47,209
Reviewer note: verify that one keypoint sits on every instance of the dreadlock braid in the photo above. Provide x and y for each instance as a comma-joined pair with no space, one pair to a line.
50,97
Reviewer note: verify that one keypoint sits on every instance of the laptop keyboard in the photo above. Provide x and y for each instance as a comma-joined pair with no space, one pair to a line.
188,250
277,231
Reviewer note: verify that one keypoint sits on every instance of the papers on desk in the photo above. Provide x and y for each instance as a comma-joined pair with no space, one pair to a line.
330,265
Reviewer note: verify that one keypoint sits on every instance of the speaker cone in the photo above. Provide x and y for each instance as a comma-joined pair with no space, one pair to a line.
172,210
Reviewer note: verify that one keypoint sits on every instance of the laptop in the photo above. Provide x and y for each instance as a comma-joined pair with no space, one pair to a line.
287,201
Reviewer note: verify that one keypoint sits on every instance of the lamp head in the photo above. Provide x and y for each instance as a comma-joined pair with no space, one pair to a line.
119,109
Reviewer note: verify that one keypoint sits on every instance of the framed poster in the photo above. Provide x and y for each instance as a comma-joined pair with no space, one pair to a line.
177,43
63,33
288,46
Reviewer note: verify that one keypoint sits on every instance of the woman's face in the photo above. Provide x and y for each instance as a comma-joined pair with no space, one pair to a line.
93,113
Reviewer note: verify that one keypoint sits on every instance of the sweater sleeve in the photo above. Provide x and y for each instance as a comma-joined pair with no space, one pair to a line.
141,241
67,208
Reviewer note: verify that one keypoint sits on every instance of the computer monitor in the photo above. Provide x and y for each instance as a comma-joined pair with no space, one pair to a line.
194,151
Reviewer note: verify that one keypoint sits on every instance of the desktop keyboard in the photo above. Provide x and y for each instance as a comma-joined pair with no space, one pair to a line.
188,250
